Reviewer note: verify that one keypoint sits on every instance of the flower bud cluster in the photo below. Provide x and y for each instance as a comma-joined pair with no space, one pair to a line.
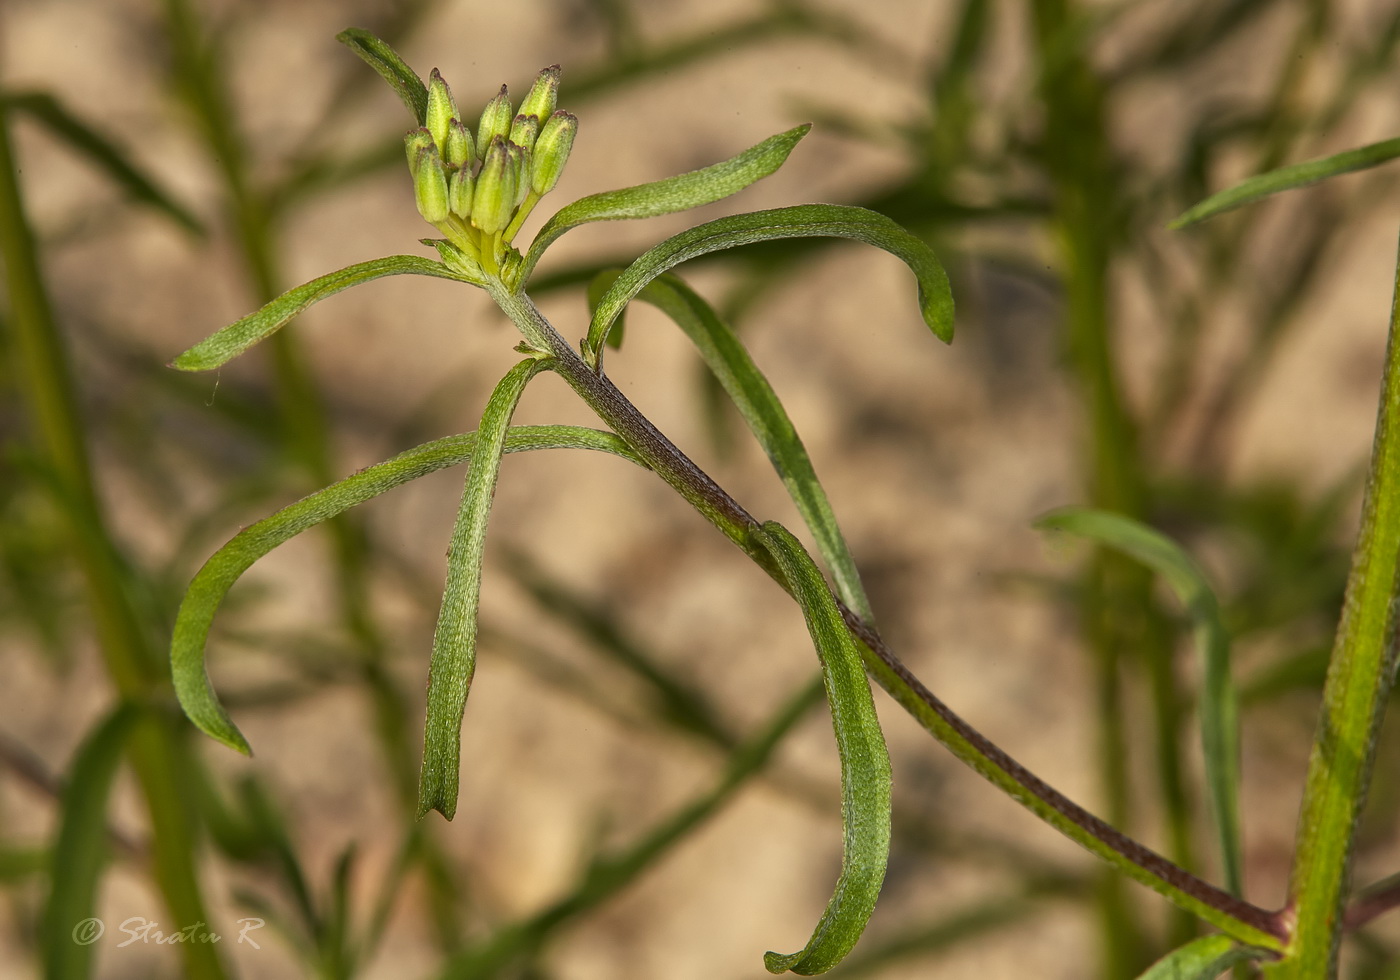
478,191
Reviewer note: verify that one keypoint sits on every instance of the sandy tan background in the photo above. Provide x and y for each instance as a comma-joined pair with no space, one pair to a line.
936,460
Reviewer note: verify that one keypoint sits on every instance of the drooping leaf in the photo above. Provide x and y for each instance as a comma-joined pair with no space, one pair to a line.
1217,706
234,339
1287,178
1201,959
801,221
679,193
454,641
221,571
80,849
107,155
385,60
766,418
865,765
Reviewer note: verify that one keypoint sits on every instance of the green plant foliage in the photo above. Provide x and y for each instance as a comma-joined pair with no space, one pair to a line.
800,221
756,401
454,641
213,581
1201,959
1287,178
679,193
80,849
238,336
865,766
1218,703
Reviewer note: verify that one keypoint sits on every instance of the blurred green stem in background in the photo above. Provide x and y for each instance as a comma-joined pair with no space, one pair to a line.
40,363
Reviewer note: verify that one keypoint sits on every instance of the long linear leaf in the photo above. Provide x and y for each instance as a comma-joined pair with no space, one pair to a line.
1218,705
766,418
83,137
801,221
865,765
234,339
679,193
81,847
1287,178
454,641
385,60
1201,959
221,571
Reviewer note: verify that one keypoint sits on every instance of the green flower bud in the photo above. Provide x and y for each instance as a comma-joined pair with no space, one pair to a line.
495,120
414,141
458,150
552,148
430,185
493,203
544,94
459,192
520,168
524,130
441,108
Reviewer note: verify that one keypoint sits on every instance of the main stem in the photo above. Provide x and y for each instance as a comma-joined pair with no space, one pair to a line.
1232,915
1359,678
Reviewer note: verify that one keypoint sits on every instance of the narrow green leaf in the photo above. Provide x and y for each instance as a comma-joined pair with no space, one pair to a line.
679,193
80,849
766,418
1201,959
221,571
801,221
385,60
865,765
1218,707
237,337
83,137
1287,178
454,642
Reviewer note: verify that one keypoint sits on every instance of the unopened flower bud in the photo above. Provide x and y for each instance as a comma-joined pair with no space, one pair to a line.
413,142
493,203
524,130
459,192
520,167
441,108
430,185
552,148
458,150
495,120
544,94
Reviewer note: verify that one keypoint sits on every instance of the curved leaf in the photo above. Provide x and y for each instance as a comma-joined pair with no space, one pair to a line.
865,765
766,418
78,134
385,60
1201,959
801,221
1218,707
679,193
221,571
237,337
454,641
80,848
1287,178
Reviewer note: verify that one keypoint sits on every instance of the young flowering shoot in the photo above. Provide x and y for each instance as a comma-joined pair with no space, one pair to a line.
552,148
430,185
441,109
478,190
458,150
494,200
495,119
544,94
